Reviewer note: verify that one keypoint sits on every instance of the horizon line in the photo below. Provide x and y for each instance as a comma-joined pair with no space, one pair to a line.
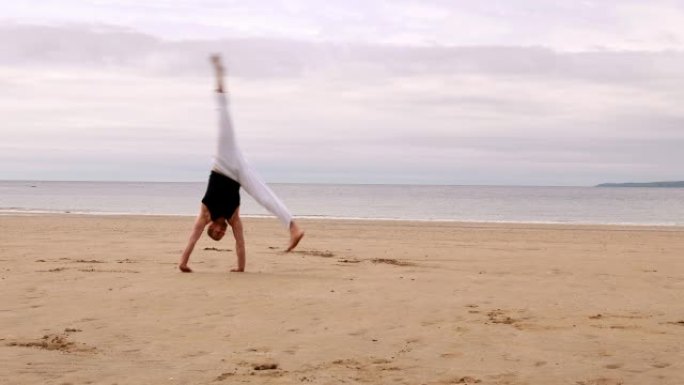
300,183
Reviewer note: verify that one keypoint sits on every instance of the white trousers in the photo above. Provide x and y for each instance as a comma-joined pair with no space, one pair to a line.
259,190
230,162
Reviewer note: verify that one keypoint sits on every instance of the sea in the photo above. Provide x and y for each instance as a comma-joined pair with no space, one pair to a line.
486,204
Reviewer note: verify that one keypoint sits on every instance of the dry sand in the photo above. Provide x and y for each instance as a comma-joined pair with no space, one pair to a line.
98,300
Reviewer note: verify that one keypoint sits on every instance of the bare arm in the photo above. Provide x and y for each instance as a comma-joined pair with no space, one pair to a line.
200,223
238,232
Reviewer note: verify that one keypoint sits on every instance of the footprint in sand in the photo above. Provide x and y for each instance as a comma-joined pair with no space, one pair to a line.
601,381
473,308
316,253
291,351
368,364
92,270
53,342
358,332
451,355
348,260
499,316
506,379
199,353
631,327
224,376
215,249
258,350
348,362
519,321
632,315
392,261
464,380
661,365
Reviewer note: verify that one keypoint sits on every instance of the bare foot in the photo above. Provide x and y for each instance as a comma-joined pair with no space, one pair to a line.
184,269
236,270
296,235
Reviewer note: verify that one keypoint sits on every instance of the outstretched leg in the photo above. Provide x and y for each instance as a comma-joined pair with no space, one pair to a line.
259,190
229,161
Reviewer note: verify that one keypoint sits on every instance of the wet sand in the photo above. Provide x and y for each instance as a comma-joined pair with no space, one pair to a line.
98,300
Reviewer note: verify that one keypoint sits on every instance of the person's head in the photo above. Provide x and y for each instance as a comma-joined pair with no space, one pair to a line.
217,229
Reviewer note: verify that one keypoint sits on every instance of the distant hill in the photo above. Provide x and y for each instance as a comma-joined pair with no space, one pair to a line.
652,184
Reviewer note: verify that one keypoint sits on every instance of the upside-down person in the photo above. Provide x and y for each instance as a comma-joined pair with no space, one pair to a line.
221,203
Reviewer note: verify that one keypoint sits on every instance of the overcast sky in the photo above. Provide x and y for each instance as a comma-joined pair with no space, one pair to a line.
525,92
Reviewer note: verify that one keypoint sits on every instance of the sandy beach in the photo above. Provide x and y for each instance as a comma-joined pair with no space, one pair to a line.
98,300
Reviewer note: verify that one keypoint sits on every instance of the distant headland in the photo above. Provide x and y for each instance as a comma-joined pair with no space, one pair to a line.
651,184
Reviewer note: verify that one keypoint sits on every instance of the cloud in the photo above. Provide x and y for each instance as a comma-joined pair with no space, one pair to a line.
89,97
107,46
563,26
629,25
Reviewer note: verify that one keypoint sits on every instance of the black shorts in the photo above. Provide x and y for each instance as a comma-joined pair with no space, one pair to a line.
222,197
